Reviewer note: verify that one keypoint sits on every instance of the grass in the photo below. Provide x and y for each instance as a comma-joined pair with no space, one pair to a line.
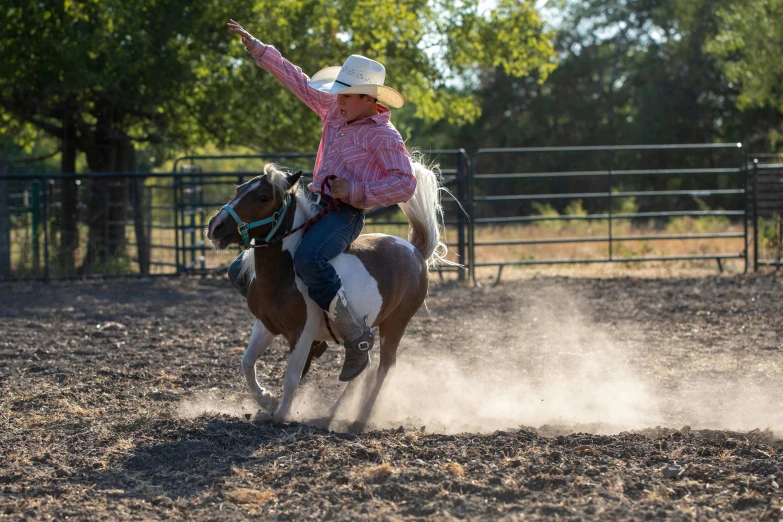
629,247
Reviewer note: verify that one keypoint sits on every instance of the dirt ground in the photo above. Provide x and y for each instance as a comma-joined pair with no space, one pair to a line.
574,398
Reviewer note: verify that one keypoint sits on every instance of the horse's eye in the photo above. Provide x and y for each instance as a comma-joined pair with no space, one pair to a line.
263,198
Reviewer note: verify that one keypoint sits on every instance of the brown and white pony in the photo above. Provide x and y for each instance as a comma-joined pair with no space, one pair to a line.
385,277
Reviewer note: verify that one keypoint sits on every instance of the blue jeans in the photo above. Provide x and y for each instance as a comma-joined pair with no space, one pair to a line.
327,238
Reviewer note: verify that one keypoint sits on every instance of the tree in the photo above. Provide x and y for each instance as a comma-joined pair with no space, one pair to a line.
629,72
99,76
107,76
750,47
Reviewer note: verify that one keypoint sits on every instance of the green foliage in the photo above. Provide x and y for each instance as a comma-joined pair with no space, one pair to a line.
629,73
132,69
769,233
750,45
169,73
575,208
626,205
544,209
697,225
547,210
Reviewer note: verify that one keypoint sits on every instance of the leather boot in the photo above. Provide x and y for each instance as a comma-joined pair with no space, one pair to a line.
357,337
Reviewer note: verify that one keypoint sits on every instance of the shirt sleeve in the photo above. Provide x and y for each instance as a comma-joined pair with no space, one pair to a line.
292,77
397,186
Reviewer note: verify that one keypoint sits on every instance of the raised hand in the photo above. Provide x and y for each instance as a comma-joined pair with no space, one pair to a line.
234,27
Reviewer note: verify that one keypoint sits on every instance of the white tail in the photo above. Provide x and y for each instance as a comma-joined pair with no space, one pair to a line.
425,214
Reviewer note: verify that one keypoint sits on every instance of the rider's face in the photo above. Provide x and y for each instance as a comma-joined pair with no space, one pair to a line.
354,107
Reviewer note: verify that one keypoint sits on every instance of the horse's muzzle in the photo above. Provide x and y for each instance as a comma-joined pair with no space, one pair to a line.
219,231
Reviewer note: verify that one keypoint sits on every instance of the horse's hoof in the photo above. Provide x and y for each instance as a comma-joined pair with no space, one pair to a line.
261,417
280,415
268,402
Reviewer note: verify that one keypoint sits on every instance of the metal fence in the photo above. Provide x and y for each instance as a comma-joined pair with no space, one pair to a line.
767,210
576,196
162,229
532,206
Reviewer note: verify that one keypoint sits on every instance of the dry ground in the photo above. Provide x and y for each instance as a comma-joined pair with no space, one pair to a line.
542,398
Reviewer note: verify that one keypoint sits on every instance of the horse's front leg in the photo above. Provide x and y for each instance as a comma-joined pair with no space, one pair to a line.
259,341
300,349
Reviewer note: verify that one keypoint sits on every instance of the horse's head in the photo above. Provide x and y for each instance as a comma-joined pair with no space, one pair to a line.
256,210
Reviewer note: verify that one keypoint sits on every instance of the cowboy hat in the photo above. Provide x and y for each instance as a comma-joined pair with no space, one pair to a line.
358,75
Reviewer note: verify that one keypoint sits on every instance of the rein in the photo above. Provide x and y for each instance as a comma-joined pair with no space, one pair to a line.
333,205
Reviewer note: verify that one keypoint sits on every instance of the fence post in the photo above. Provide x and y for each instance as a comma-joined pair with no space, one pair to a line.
45,187
745,206
472,224
136,185
609,194
35,207
175,189
461,174
5,230
202,221
755,215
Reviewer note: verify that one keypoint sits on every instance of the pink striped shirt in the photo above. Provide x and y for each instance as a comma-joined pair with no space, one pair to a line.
369,153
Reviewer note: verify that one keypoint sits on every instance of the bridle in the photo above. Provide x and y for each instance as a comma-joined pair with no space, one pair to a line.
242,227
277,219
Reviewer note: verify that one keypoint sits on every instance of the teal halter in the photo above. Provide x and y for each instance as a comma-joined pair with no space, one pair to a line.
242,227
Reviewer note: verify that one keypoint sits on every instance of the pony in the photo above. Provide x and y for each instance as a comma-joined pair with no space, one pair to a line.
386,277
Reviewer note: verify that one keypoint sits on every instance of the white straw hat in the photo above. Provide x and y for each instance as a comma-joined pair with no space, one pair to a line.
358,75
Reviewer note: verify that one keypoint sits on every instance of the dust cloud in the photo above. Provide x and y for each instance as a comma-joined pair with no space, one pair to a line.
543,364
216,401
739,401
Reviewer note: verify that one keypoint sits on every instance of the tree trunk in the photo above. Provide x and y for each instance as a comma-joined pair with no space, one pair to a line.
69,212
107,218
5,227
136,186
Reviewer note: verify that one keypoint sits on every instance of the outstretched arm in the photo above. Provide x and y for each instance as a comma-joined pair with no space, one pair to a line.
291,76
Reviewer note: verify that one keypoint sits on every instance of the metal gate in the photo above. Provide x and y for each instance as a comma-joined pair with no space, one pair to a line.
767,198
512,192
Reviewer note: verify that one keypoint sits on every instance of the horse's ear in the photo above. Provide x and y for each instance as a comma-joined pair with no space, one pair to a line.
291,179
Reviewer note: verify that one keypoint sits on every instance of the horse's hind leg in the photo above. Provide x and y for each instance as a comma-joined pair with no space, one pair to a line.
259,341
390,333
348,391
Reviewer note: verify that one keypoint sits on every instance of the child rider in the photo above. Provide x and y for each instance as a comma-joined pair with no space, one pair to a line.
362,148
